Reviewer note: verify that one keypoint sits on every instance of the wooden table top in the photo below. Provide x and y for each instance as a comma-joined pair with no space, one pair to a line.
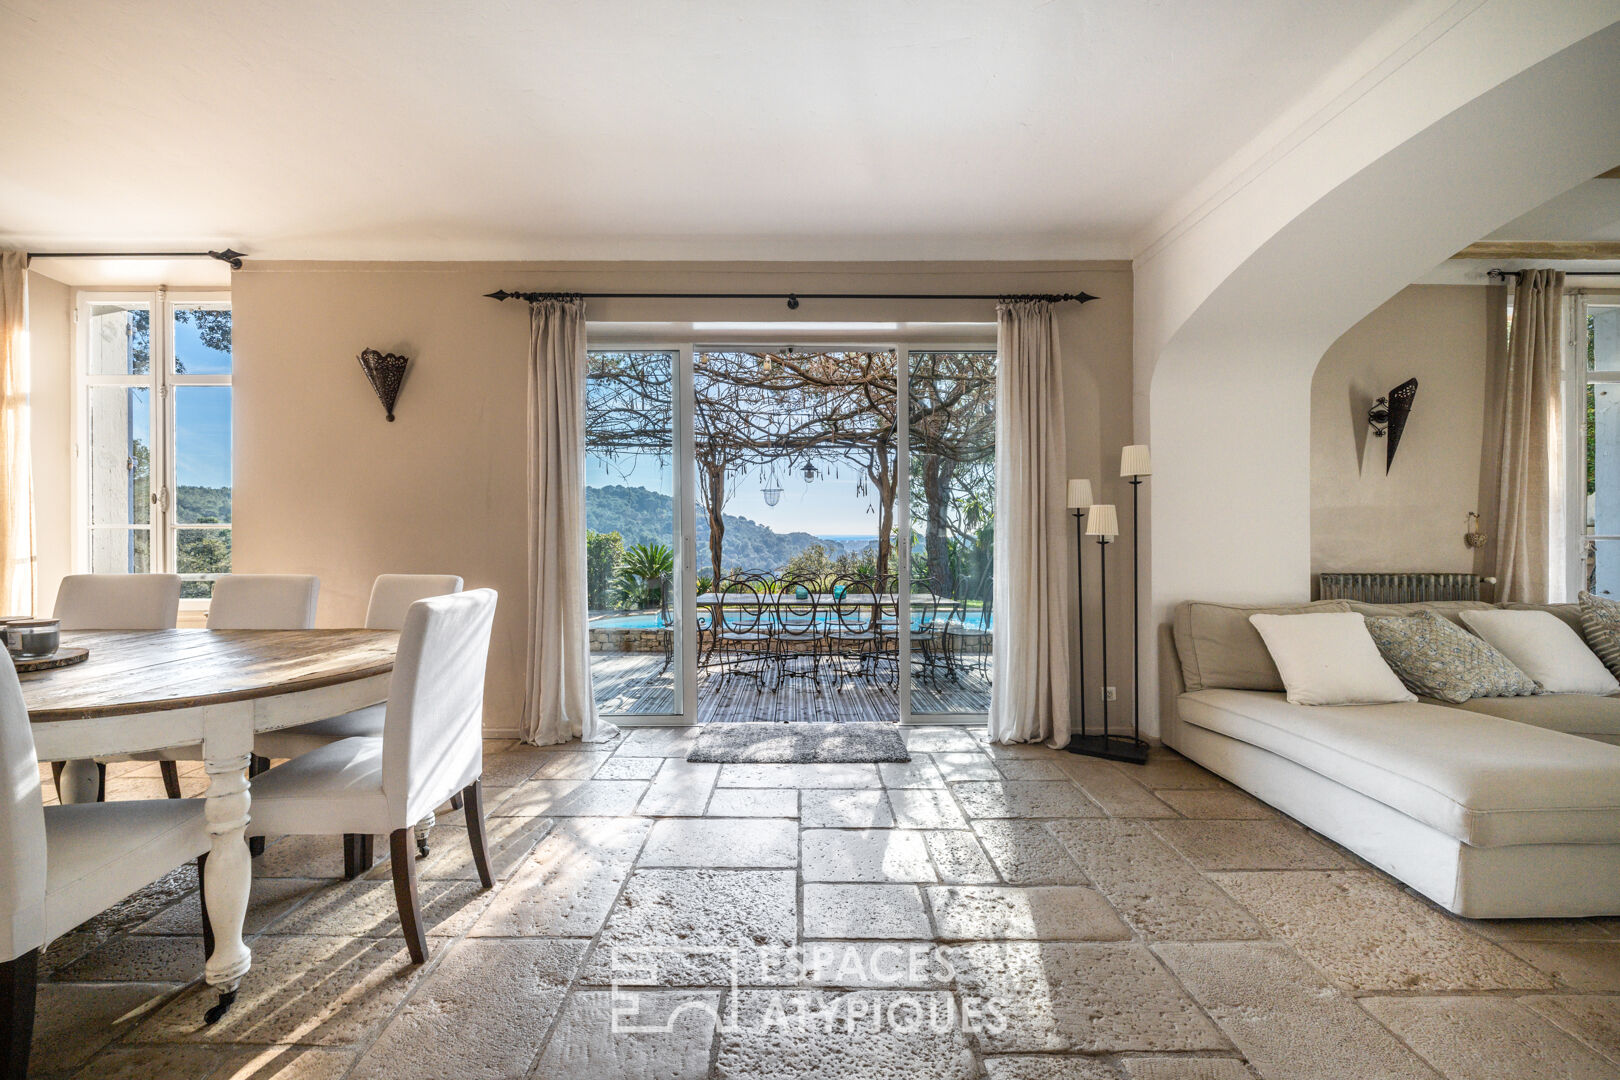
143,671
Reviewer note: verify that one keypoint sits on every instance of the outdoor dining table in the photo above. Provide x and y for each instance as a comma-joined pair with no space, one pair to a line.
143,690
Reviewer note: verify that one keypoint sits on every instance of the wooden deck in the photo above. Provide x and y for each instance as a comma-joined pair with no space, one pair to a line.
630,684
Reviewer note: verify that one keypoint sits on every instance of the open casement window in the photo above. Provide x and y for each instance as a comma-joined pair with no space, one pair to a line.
152,442
1592,458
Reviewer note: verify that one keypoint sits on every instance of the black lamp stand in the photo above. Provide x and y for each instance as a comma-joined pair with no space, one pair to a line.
1105,745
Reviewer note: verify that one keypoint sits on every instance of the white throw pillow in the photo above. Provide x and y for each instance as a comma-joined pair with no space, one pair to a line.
1329,659
1545,648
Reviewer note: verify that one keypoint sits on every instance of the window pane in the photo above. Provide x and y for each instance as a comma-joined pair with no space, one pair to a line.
202,340
953,510
120,339
1603,344
201,551
202,454
1601,568
1603,453
120,551
120,455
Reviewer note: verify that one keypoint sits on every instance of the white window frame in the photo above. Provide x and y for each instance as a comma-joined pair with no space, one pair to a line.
162,381
1570,546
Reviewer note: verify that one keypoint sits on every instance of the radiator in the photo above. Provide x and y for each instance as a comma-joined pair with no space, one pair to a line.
1401,588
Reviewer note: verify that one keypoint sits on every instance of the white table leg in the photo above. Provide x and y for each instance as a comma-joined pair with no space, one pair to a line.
227,744
81,781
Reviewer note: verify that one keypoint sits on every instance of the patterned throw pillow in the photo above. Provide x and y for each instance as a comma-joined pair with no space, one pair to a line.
1600,624
1437,658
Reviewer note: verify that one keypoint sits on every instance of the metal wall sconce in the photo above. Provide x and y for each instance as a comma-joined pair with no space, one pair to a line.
1388,416
386,373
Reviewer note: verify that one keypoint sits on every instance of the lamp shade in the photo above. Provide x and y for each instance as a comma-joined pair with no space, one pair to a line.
1134,461
1103,521
1079,494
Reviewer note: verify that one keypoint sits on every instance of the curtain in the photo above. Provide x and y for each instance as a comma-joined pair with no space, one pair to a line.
1523,402
558,702
16,469
1034,567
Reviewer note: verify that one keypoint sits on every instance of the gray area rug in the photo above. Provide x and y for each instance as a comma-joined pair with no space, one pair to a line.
798,744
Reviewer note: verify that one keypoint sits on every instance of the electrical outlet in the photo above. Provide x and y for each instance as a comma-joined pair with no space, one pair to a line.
1110,694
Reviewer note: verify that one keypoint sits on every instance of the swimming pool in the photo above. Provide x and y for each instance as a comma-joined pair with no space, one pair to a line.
973,620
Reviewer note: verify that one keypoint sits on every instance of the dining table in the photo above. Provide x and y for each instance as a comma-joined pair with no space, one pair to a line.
144,690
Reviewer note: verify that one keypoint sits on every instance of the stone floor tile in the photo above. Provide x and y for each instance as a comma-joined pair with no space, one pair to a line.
596,1037
573,765
1486,1038
1167,769
940,740
919,772
1024,799
877,965
1014,751
366,907
1185,1067
1366,934
752,842
1286,1020
1592,1019
925,808
1112,789
799,776
313,991
955,766
137,958
1249,845
1150,885
1026,853
449,857
514,766
1047,1067
682,922
801,1046
482,1013
865,911
268,900
1080,997
681,789
754,802
286,1063
568,886
959,858
1581,965
1035,913
572,798
1216,803
622,767
302,857
72,1021
845,808
183,1061
866,855
658,742
1539,929
1028,769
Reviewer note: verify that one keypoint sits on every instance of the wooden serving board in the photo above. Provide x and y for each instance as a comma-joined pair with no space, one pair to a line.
66,656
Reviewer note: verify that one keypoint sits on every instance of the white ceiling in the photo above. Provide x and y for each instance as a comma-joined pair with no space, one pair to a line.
748,129
1590,212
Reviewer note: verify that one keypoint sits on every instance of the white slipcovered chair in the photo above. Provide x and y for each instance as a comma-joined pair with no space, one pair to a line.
391,597
432,747
110,602
59,865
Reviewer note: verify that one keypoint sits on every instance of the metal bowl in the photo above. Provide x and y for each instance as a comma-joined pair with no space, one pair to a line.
28,639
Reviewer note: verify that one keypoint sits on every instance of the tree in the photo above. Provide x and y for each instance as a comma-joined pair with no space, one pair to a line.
642,572
603,551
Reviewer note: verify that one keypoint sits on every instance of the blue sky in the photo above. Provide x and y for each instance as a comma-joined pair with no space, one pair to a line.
202,415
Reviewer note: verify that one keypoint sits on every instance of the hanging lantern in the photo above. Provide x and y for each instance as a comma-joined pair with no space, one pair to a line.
810,472
773,495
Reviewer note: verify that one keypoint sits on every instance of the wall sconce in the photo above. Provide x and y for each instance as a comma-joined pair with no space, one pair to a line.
386,373
1387,418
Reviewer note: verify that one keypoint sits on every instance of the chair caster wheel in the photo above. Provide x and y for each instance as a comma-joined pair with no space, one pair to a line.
226,1000
421,847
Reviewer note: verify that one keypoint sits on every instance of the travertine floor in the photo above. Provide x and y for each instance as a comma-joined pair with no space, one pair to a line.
1010,912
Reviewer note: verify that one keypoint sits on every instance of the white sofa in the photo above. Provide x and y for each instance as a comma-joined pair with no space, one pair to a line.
1501,808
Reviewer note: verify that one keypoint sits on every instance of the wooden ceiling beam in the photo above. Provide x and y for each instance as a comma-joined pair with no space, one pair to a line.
1558,249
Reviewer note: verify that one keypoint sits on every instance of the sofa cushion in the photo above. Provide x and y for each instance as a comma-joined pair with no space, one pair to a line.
1600,626
1570,613
1544,647
1328,658
1483,780
1450,610
1587,715
1436,657
1219,649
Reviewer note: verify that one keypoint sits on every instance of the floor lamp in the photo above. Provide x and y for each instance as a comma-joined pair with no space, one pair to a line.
1103,523
1079,503
1135,465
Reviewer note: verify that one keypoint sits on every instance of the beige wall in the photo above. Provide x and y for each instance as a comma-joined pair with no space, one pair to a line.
50,346
1413,518
324,485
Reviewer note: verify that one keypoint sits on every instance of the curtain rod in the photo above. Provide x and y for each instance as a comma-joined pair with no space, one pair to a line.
1494,273
226,256
791,298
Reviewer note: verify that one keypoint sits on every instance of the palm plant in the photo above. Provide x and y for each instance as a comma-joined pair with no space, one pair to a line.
639,582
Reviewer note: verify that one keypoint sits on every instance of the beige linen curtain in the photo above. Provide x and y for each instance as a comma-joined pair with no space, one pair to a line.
558,703
1523,400
1034,569
16,469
